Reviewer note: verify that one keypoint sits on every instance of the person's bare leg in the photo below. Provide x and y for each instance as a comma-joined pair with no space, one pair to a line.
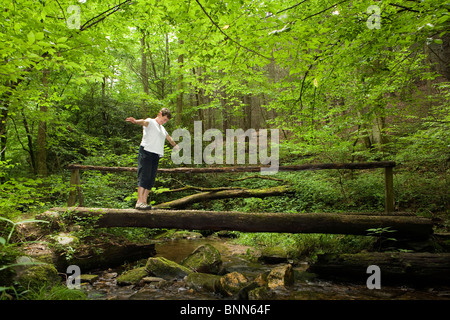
145,194
142,195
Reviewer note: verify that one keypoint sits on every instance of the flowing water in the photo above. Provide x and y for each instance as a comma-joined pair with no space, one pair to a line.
235,259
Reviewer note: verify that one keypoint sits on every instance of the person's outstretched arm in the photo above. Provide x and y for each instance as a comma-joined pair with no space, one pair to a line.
140,122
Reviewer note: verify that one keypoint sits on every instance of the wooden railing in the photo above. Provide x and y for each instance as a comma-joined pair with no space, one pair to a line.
75,181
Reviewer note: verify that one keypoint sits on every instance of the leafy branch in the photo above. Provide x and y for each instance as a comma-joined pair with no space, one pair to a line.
228,37
102,16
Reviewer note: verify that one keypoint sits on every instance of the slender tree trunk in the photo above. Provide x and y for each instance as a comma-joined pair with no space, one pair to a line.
144,75
41,154
178,118
30,142
3,128
4,104
247,112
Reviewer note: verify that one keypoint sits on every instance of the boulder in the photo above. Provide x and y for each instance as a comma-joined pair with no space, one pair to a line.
231,283
202,281
88,278
259,293
261,279
132,276
204,259
280,276
31,273
166,269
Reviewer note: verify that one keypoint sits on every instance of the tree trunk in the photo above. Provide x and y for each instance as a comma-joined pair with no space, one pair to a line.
395,267
41,153
30,142
4,104
3,127
334,223
144,75
178,118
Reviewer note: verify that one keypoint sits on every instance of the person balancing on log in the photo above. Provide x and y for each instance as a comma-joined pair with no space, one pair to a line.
150,150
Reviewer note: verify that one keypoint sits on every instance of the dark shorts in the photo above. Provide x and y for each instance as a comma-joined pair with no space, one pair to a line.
147,167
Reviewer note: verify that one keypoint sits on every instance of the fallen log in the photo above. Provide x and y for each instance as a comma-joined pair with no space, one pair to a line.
223,194
395,267
104,255
334,223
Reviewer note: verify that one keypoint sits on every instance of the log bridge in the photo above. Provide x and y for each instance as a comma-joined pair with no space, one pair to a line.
405,225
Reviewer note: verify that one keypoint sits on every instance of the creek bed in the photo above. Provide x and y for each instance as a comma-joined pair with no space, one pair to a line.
235,259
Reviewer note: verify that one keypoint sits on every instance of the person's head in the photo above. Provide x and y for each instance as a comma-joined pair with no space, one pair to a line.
164,115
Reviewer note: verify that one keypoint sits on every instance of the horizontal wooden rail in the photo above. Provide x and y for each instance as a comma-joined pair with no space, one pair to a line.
334,223
318,166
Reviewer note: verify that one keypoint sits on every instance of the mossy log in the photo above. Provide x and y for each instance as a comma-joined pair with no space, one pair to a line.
334,223
224,194
89,257
395,267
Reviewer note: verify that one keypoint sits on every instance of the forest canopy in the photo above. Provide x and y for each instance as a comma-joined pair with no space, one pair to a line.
343,81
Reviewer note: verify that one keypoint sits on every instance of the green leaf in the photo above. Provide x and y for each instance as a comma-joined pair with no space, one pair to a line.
61,40
31,37
39,36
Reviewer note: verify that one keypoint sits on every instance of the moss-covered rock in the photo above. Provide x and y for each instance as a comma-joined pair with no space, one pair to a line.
35,275
90,278
204,259
205,281
132,276
166,269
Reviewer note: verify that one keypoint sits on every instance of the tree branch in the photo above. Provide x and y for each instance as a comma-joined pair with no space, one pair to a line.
330,7
403,7
228,37
292,7
86,25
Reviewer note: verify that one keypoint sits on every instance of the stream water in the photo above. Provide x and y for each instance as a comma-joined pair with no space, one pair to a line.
235,259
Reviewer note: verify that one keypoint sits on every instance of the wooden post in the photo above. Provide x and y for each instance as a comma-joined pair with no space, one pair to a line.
389,189
75,189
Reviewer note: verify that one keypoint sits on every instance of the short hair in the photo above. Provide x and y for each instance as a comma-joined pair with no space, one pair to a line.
166,112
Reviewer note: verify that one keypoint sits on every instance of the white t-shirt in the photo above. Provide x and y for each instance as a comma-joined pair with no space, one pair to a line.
154,136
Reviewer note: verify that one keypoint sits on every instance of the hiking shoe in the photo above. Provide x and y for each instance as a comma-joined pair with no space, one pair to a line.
143,206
